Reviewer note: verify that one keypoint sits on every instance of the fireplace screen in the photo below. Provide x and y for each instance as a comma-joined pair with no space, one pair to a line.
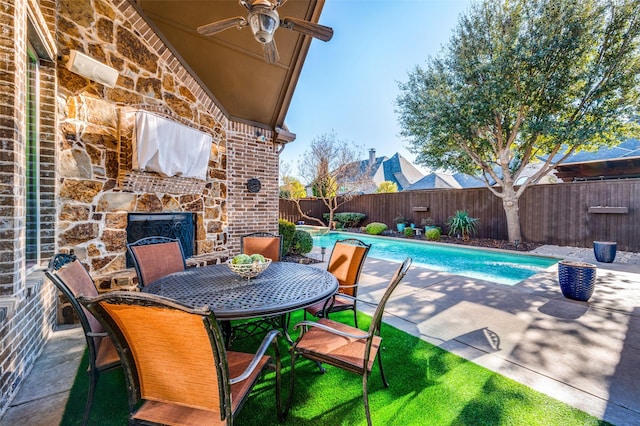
172,225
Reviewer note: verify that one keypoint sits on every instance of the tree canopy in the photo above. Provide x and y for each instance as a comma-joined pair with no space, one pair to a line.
332,167
523,81
386,187
292,188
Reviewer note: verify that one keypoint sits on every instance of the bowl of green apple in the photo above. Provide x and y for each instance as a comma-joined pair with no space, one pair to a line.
248,266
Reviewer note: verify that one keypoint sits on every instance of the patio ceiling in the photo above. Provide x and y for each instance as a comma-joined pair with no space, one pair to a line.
230,65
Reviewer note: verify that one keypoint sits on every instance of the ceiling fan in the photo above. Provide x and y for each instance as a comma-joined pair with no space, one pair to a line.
264,20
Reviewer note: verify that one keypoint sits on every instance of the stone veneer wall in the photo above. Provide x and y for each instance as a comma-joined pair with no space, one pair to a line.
86,187
96,130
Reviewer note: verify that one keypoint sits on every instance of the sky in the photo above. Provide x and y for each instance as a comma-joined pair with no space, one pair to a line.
349,85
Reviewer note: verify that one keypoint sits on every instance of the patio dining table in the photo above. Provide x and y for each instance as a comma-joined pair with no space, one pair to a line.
282,288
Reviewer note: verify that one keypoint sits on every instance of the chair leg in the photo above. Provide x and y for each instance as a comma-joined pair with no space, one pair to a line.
93,381
384,379
355,317
281,412
365,397
293,357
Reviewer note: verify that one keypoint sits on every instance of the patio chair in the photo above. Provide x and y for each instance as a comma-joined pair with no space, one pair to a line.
345,263
176,366
155,257
349,348
264,243
72,279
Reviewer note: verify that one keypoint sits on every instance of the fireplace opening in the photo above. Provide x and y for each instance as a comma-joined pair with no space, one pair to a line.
180,226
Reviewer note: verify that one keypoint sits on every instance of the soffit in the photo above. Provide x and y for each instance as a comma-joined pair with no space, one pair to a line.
230,65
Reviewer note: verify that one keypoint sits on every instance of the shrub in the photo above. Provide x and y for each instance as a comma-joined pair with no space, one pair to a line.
400,220
433,234
286,229
375,228
428,221
461,223
408,232
346,219
302,242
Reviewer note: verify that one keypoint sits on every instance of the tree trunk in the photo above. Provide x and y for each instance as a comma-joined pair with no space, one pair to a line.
512,212
297,202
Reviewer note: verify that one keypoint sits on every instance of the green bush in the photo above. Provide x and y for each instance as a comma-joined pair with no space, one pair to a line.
433,234
302,242
408,232
346,219
286,229
375,228
462,224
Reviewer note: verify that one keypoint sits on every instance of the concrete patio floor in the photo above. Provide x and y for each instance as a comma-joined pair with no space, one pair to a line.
586,354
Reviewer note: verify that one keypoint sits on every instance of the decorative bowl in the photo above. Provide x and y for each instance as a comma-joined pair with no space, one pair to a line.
249,270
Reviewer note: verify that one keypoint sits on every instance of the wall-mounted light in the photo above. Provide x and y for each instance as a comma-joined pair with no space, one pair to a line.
88,67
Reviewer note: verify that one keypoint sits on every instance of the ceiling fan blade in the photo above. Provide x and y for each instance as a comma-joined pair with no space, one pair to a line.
216,27
271,55
309,28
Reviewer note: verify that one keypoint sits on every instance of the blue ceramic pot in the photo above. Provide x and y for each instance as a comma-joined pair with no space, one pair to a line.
577,279
605,251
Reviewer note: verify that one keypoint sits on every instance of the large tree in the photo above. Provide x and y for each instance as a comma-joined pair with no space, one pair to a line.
521,81
332,168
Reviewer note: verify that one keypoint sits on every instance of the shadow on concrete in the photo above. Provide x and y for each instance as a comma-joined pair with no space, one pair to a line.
564,309
624,389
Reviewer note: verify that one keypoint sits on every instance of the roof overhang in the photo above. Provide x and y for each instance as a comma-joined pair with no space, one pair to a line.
601,169
230,65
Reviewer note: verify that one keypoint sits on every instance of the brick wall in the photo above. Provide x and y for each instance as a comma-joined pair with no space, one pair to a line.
26,302
251,156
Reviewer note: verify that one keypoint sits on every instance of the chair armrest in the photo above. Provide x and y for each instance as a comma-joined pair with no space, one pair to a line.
307,324
346,286
356,299
92,334
269,338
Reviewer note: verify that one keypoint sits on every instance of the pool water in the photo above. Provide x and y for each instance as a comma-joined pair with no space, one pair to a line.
499,267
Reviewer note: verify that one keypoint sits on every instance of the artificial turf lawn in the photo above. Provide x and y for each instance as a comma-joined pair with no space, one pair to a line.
427,386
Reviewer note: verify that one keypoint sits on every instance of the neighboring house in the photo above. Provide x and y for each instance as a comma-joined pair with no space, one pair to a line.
619,162
376,170
69,177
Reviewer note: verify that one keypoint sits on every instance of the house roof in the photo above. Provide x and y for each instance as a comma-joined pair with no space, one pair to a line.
622,161
230,65
435,180
396,169
628,148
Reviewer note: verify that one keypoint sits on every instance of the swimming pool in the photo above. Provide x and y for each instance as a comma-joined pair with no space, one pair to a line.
499,267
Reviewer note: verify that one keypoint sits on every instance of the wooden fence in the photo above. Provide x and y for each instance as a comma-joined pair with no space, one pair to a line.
566,214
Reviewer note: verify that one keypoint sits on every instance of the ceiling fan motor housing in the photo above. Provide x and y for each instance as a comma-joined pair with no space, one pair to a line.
263,22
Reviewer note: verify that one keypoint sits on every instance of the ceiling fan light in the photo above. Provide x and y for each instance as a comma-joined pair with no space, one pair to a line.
264,23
